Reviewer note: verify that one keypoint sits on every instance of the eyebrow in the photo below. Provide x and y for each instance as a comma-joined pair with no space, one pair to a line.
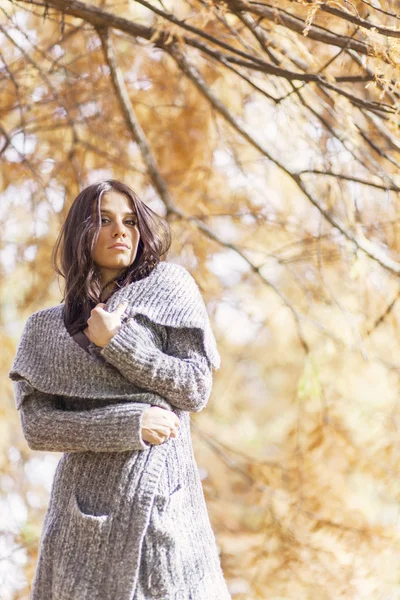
110,212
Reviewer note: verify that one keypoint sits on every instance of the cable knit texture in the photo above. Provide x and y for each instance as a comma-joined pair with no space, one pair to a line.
127,520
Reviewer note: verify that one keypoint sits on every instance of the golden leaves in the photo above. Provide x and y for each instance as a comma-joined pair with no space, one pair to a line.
311,14
294,439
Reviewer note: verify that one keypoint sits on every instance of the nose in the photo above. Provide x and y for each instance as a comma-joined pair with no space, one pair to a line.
119,229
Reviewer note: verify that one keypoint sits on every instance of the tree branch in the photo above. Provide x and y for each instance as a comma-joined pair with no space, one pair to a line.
154,172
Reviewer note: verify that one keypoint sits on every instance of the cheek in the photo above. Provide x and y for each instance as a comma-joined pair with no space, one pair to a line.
134,237
98,248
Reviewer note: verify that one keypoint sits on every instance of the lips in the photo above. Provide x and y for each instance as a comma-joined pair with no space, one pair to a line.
119,246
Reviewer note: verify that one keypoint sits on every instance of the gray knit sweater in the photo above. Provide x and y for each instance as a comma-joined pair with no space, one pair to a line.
127,520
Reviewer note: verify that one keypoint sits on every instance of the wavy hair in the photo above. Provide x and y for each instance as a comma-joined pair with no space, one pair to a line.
72,252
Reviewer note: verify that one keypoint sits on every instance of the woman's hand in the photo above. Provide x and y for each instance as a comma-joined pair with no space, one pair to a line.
103,325
159,424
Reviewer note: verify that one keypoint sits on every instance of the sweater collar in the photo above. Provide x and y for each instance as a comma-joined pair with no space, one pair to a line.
50,360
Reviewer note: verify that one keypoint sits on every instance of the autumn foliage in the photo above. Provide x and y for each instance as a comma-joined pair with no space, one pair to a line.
267,134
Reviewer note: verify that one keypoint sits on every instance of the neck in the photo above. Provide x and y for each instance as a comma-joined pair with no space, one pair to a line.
108,276
107,291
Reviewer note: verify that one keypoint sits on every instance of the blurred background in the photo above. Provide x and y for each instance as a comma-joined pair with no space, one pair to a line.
267,134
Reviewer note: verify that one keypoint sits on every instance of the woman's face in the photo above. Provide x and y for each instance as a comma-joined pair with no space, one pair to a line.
118,225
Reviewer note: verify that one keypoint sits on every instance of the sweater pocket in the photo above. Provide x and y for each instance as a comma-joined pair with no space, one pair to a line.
172,559
81,553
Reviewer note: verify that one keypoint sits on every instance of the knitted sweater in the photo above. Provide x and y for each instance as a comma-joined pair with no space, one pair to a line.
127,520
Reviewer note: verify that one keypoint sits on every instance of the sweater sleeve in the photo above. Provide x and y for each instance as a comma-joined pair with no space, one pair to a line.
182,375
113,428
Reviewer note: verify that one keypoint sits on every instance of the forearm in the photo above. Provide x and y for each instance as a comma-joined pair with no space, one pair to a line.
112,428
183,377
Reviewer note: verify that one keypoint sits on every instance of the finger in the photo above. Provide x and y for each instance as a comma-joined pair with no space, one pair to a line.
161,437
175,422
121,308
99,305
164,429
158,430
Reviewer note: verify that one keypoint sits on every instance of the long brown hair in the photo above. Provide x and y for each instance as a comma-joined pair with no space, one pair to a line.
72,251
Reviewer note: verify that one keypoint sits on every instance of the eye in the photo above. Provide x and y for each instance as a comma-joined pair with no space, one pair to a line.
134,221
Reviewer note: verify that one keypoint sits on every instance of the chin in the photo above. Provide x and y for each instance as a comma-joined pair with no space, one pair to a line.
119,265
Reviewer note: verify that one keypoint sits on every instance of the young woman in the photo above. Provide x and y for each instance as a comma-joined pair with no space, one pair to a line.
109,377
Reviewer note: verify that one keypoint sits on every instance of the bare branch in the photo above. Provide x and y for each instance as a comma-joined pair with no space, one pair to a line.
154,172
347,16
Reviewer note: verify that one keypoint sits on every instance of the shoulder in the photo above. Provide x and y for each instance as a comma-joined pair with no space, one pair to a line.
169,288
43,315
39,326
175,275
47,312
172,268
